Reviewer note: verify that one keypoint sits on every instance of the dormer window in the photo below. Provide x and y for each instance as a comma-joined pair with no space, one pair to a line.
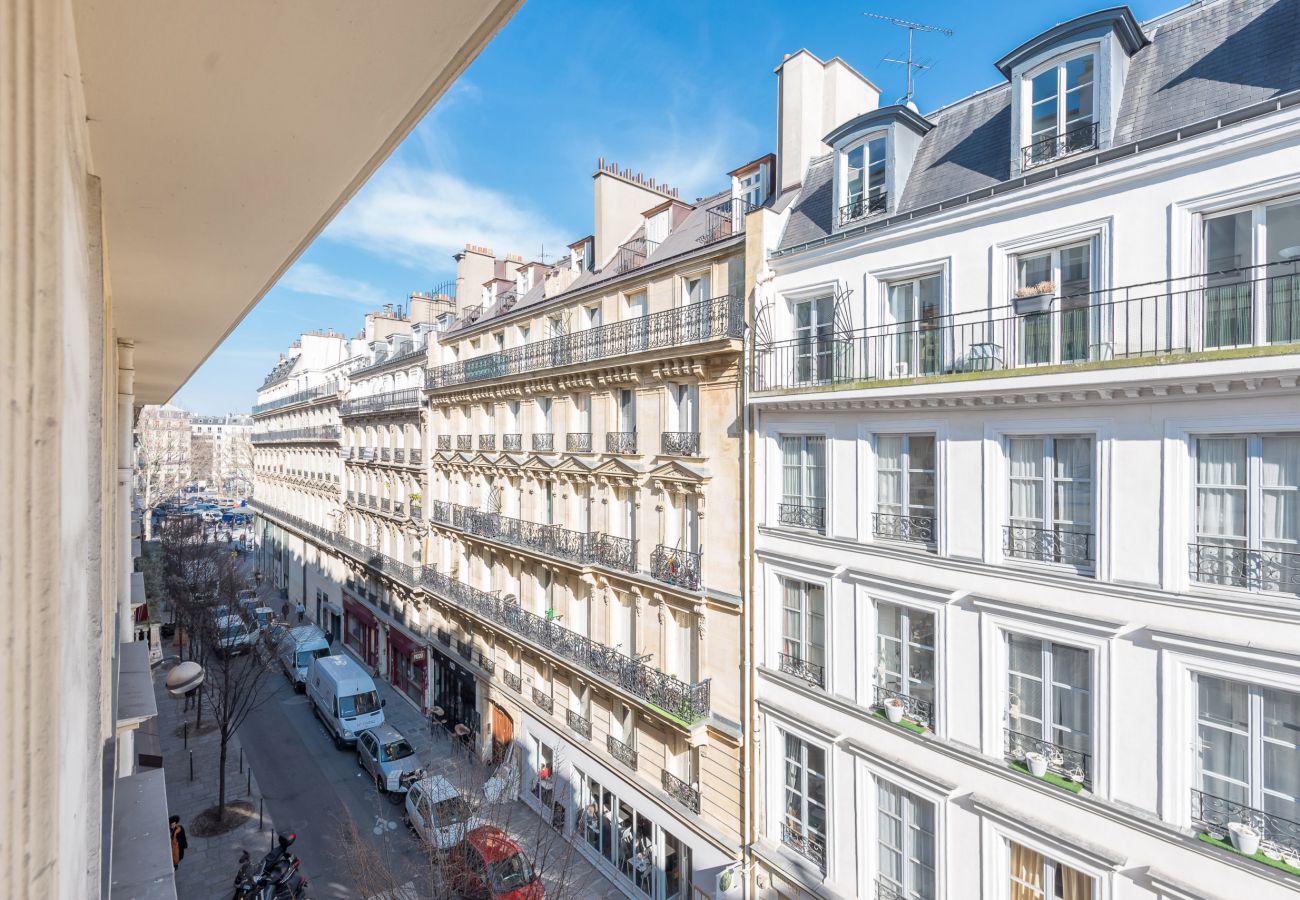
1062,110
864,180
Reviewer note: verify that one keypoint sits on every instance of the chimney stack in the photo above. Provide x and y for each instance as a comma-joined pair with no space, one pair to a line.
813,99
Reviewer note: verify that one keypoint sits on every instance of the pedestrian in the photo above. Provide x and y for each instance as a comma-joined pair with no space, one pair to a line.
179,841
284,611
302,612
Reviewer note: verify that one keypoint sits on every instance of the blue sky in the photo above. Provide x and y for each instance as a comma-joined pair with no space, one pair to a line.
682,90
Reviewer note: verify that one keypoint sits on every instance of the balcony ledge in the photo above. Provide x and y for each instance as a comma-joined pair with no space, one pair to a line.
137,589
142,849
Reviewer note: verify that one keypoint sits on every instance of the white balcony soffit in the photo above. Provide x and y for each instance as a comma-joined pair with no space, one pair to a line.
227,135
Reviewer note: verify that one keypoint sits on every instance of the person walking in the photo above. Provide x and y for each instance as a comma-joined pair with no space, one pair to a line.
179,841
284,611
302,612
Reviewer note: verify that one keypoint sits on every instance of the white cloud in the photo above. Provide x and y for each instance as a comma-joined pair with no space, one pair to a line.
420,217
309,278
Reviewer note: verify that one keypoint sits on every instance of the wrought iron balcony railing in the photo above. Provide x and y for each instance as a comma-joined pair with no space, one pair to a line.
620,442
1072,765
399,455
1054,146
724,219
365,454
306,396
579,724
1226,312
441,512
889,890
709,320
345,452
296,435
679,443
622,752
417,511
681,791
801,515
543,700
864,207
512,681
444,442
385,505
800,668
810,846
409,398
464,442
556,541
443,637
917,709
512,443
577,442
543,442
385,454
1241,567
465,649
675,566
1278,836
685,701
487,442
901,527
484,662
415,456
634,253
1061,544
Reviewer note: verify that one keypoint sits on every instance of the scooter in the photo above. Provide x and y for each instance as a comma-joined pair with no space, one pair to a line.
275,878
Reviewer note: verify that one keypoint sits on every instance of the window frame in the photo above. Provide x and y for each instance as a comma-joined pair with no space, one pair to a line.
1045,715
1048,483
804,496
1256,266
905,473
905,613
1059,62
780,816
804,641
841,174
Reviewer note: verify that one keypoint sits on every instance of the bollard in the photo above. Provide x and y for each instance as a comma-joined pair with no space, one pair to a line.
248,790
187,734
241,759
259,813
191,765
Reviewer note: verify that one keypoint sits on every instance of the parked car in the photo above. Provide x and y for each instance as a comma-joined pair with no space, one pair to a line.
389,758
438,813
233,634
343,697
297,647
491,866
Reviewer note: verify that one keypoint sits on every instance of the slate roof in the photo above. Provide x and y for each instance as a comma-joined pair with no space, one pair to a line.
1203,61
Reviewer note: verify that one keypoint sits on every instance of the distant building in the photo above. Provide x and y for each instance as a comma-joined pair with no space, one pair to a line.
221,453
163,447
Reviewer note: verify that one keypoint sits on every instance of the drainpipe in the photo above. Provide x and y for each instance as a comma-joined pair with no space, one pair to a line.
125,477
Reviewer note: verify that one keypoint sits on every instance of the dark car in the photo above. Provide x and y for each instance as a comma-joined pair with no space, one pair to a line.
488,865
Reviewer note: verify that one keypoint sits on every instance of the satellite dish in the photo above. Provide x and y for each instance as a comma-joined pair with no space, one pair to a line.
184,678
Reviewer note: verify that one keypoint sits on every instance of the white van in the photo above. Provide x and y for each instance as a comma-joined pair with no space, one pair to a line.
344,698
297,648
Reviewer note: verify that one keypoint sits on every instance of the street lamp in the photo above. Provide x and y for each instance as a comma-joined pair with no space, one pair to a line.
184,678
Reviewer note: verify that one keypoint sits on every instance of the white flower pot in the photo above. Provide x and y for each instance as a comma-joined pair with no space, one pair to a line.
1037,764
1244,838
894,710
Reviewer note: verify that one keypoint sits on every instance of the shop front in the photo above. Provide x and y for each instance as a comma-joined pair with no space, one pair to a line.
361,631
454,692
408,667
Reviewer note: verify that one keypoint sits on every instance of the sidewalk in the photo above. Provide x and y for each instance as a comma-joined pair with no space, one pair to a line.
208,870
583,881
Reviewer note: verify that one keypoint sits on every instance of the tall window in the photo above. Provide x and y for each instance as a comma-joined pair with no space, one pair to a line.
905,487
1248,512
1252,261
804,825
1063,332
803,485
1038,877
814,326
751,187
682,406
627,410
544,405
1049,705
905,659
1248,755
864,180
695,289
1051,500
914,308
906,844
1062,110
803,632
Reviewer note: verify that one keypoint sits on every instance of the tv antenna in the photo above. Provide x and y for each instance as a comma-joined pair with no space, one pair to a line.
912,65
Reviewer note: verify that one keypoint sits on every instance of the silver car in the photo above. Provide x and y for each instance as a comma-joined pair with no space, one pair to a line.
389,758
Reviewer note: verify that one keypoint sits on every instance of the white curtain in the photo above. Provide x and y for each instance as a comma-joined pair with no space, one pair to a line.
1221,487
816,624
889,467
1280,482
1072,482
1026,457
816,471
1282,753
792,627
792,466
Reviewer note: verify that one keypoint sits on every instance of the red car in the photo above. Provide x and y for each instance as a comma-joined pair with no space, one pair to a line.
488,865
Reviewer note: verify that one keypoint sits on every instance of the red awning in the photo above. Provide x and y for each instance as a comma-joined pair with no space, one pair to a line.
356,610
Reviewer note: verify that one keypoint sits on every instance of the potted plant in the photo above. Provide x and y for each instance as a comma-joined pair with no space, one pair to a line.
894,710
1035,298
1037,764
1244,838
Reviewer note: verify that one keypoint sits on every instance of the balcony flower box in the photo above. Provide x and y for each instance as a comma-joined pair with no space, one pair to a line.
1034,299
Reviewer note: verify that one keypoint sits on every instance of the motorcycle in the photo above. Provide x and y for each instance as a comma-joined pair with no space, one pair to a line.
275,878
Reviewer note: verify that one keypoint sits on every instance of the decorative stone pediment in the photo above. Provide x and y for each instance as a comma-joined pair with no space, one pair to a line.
617,468
678,472
540,464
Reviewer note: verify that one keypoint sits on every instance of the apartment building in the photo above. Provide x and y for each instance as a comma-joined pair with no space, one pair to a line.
221,452
1027,454
117,285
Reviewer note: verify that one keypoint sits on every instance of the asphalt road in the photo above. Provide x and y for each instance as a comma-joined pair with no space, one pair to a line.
311,787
